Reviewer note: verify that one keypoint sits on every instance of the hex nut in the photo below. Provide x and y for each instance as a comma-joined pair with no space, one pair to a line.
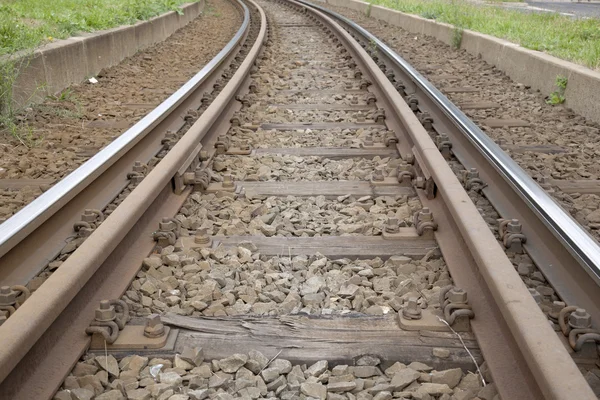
456,295
580,319
514,226
105,312
8,297
154,327
167,225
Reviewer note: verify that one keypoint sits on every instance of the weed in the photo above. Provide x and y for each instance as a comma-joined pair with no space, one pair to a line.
9,111
558,96
369,7
457,35
372,47
429,14
210,10
65,95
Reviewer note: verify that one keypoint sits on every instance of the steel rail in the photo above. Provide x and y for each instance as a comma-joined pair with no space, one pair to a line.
32,217
525,356
29,335
577,247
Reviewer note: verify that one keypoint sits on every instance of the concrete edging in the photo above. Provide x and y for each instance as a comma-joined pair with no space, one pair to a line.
55,66
533,68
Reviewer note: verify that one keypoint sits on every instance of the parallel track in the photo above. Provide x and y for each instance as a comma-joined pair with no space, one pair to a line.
46,335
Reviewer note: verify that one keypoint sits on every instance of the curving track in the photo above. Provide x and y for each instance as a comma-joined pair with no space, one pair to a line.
303,184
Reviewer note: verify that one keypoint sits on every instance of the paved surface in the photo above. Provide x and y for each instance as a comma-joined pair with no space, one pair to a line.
575,9
583,9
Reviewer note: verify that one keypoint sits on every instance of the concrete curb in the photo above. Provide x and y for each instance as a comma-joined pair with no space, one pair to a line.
55,66
533,68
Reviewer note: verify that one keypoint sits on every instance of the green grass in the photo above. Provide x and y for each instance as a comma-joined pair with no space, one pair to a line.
576,40
26,24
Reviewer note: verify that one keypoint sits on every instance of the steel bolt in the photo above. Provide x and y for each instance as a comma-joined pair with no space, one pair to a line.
457,295
472,173
378,176
228,181
425,214
392,225
167,225
201,236
514,226
105,312
411,309
88,216
404,167
8,297
580,319
138,167
154,327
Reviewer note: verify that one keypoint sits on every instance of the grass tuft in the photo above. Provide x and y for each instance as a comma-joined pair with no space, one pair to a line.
576,40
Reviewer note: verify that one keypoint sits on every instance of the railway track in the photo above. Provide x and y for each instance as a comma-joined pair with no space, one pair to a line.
295,231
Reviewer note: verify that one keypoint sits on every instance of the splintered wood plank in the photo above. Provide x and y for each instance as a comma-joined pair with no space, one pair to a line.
504,123
324,107
478,105
579,186
331,152
339,339
324,92
536,148
327,189
21,183
321,125
354,247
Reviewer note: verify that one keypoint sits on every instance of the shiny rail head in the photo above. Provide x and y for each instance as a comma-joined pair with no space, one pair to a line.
575,239
39,210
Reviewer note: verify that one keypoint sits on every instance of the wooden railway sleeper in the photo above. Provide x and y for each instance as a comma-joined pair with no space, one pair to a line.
510,231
